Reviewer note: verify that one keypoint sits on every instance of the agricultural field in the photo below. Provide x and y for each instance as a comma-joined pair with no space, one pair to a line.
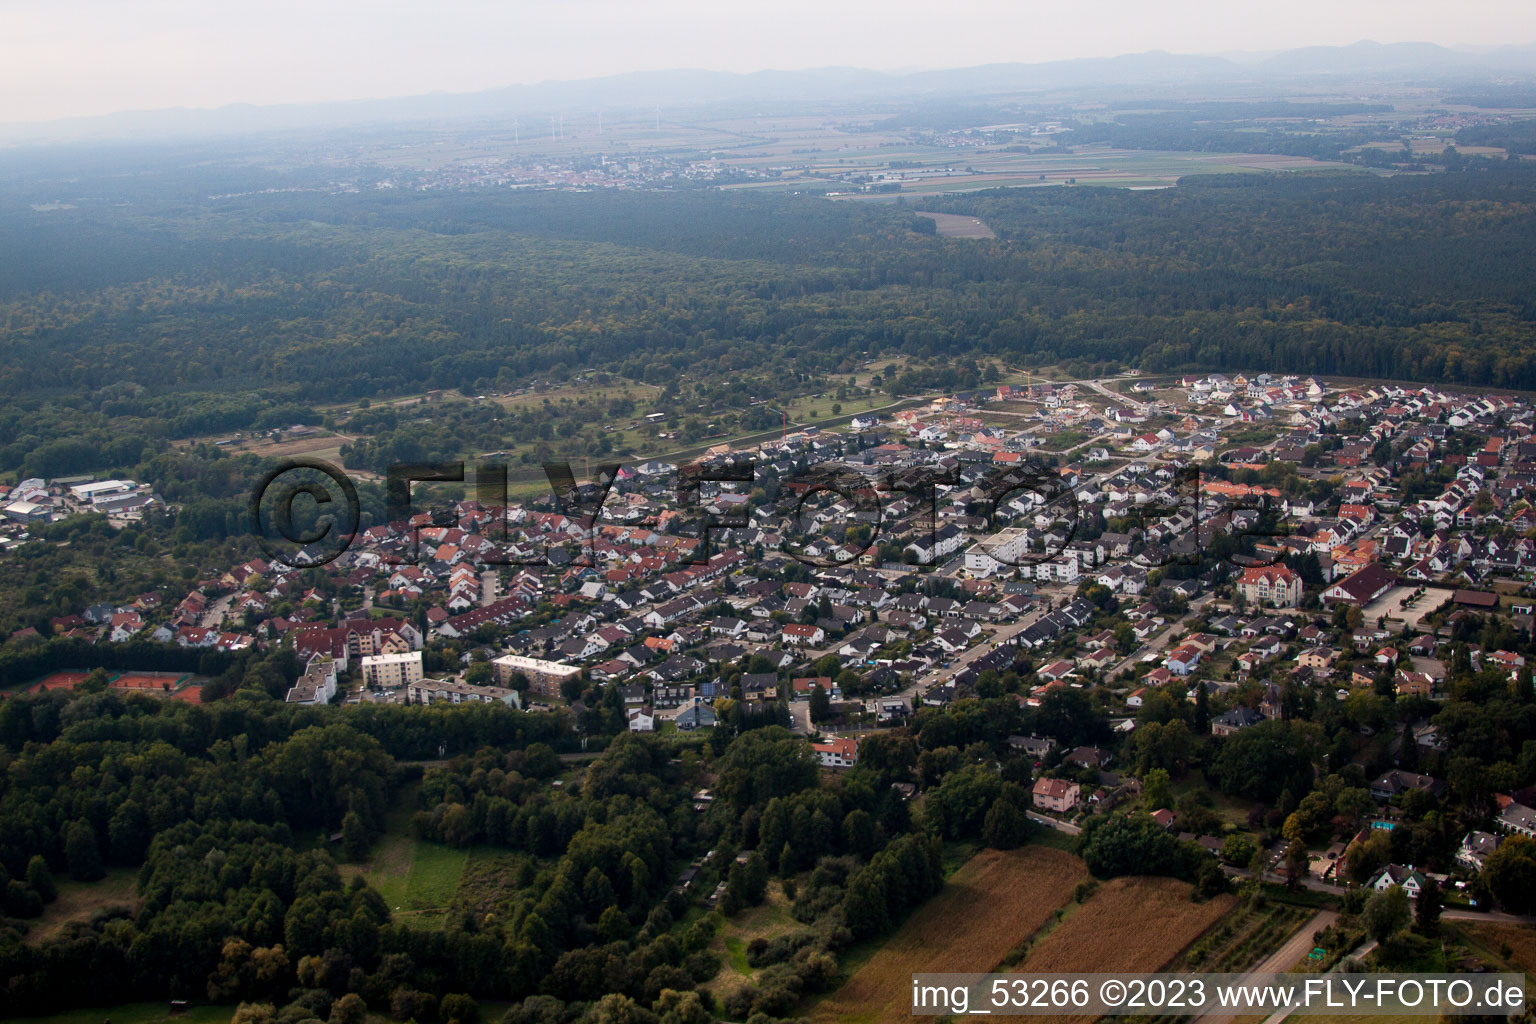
814,409
1496,938
1244,937
993,903
1128,924
954,225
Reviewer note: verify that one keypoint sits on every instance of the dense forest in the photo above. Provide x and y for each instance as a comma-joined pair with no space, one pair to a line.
240,819
138,330
128,326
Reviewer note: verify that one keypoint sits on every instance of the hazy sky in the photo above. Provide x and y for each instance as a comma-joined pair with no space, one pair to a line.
66,57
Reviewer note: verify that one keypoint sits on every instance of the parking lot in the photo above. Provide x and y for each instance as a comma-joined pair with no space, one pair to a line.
1391,605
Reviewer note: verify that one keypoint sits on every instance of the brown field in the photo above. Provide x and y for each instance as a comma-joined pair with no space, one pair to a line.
1520,940
955,225
1130,925
296,446
993,903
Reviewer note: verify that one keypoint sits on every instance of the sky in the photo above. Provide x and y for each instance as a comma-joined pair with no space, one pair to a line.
64,58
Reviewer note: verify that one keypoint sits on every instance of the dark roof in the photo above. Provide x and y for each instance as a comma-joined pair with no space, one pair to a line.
1366,582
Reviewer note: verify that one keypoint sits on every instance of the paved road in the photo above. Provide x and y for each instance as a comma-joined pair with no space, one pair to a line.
1281,960
1449,914
1064,827
1160,641
1297,946
1004,634
1131,403
214,614
487,588
800,717
1486,915
1355,954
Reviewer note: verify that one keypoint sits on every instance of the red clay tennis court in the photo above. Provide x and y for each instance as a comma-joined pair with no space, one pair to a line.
58,681
161,681
136,682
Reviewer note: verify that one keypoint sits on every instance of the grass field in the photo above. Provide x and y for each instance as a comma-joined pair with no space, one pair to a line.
79,900
490,880
422,893
417,879
998,899
135,1013
766,921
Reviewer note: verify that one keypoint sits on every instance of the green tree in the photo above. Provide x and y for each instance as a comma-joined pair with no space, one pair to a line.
615,1008
1426,909
1510,873
458,826
128,833
82,853
1006,826
40,879
354,837
677,1007
1156,790
1264,760
821,704
1296,858
755,878
1133,844
859,832
254,1013
457,1006
1385,913
1236,850
95,681
349,1009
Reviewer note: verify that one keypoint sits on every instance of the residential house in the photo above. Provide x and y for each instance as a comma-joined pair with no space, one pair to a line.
837,752
1056,795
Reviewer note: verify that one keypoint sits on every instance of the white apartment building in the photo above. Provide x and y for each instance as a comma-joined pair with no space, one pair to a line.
391,671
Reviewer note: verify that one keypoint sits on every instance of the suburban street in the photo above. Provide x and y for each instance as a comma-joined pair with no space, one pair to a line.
1064,827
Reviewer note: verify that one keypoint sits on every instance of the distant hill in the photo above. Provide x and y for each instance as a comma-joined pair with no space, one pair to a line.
1371,58
691,89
